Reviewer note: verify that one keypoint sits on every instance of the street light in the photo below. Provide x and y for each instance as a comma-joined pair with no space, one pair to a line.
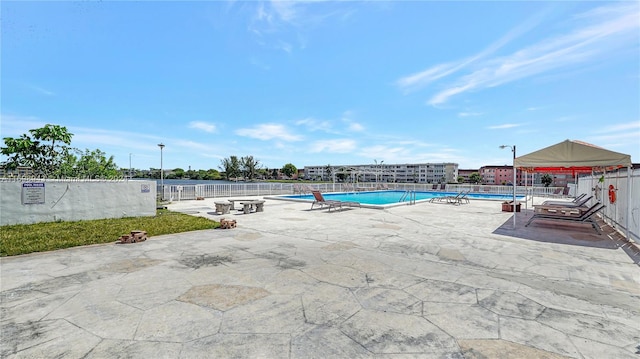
378,169
513,149
161,145
129,165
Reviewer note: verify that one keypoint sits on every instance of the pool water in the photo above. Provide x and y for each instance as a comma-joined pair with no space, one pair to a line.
394,197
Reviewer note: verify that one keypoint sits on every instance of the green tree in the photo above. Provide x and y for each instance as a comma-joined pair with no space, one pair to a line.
88,164
460,179
475,178
231,167
179,173
43,150
249,167
263,173
546,180
213,174
288,170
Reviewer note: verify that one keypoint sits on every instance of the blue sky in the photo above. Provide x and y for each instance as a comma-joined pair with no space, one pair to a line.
316,83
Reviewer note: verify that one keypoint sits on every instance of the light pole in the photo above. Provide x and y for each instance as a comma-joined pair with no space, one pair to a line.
376,171
161,145
513,149
129,165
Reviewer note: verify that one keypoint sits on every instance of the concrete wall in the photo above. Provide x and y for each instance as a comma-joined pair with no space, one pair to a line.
33,201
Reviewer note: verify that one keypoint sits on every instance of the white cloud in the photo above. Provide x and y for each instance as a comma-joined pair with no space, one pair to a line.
313,124
14,126
618,135
621,127
41,90
204,126
333,146
503,126
625,136
355,127
607,29
423,78
195,146
469,114
268,131
281,24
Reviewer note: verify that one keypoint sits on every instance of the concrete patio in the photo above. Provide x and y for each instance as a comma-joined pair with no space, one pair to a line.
428,281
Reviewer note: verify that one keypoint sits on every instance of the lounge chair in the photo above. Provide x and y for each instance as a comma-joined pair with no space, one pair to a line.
575,200
557,192
457,199
586,216
580,203
463,198
319,199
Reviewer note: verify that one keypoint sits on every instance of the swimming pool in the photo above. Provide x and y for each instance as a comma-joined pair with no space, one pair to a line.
377,199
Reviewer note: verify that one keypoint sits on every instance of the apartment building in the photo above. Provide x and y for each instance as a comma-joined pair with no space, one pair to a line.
398,173
503,175
20,171
466,173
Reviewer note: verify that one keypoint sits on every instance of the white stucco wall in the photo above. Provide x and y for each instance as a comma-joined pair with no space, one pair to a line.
69,200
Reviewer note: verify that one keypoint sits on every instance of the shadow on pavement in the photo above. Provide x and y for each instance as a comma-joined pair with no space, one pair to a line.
574,234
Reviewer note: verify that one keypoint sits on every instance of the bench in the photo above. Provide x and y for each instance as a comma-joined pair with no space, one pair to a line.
223,207
233,202
248,206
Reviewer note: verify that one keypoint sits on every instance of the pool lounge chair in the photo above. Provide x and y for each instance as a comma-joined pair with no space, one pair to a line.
579,203
463,198
319,199
586,216
575,200
459,198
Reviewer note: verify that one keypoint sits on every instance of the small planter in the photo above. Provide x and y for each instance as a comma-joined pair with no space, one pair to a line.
508,206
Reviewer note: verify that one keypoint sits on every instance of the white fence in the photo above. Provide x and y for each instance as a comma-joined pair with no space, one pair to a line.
190,192
626,208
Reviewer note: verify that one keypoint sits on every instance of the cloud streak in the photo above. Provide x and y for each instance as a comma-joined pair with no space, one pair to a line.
601,31
203,126
269,131
504,126
334,146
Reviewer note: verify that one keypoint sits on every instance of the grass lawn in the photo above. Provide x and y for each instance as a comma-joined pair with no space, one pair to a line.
42,237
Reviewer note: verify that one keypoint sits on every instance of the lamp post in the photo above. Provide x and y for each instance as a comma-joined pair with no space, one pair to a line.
129,165
513,149
376,170
161,145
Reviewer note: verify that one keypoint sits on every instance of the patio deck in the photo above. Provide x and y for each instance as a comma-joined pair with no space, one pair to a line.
428,280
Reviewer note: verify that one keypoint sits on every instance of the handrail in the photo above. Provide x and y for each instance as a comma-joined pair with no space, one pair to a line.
411,195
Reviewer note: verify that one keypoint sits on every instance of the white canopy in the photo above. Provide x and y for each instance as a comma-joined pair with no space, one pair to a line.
572,156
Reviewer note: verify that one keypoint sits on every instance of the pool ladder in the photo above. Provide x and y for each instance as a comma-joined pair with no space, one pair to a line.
409,196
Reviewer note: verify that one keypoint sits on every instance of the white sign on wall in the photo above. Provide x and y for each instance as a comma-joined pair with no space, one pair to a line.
33,193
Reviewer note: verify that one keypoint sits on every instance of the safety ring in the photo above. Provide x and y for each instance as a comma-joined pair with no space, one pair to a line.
612,194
